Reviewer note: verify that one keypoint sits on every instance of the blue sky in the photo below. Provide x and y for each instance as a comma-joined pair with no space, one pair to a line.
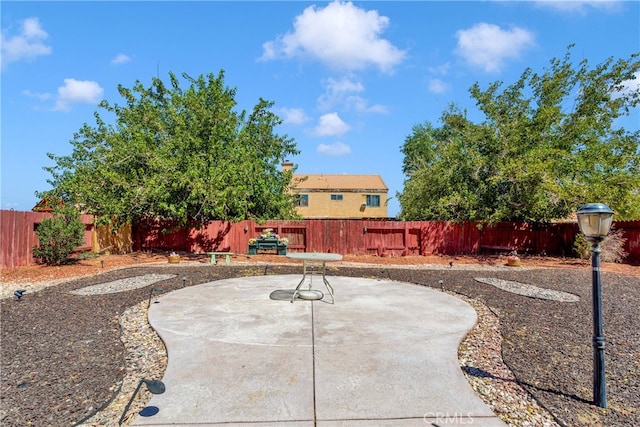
349,79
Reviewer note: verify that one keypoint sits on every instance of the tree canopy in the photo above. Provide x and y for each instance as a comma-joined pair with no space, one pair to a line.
178,154
548,144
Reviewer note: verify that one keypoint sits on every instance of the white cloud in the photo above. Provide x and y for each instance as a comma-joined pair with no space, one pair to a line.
335,149
293,116
336,91
27,45
361,105
630,86
438,86
330,125
343,85
341,35
487,46
441,70
579,6
340,92
41,96
77,92
120,58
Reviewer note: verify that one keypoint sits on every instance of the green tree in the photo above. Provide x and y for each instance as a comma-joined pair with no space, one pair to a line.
59,236
178,154
548,144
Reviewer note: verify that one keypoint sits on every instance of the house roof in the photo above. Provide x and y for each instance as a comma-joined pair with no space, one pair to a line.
47,204
373,183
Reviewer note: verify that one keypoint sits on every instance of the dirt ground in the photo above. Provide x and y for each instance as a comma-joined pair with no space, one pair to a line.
87,267
62,357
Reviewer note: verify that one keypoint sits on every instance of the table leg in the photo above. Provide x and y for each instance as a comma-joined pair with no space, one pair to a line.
327,284
295,293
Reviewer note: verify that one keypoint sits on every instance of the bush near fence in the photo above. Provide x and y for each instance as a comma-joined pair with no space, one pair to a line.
18,236
345,236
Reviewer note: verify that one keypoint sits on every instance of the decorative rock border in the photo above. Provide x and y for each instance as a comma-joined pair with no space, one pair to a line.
528,290
123,285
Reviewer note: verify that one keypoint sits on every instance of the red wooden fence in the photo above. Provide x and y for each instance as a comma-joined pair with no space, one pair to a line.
394,238
357,237
18,237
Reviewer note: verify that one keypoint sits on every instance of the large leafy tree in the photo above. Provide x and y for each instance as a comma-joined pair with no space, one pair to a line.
179,154
548,144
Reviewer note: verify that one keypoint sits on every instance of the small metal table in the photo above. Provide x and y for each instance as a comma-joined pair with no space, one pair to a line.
313,263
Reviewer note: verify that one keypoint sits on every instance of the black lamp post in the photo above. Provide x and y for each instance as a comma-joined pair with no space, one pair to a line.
594,220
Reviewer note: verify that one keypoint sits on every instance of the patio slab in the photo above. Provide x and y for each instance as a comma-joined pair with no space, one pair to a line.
384,354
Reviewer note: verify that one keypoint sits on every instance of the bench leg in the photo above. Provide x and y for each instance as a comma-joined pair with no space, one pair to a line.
227,259
213,259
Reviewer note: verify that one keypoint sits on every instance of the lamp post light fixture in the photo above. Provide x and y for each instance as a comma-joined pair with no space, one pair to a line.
19,293
594,220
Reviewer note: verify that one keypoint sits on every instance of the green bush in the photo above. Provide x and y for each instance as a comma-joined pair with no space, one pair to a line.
59,236
581,247
612,247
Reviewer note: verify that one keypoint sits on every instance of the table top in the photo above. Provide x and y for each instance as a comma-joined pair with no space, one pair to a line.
314,256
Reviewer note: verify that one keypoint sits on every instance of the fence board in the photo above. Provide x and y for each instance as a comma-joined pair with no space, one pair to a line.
114,241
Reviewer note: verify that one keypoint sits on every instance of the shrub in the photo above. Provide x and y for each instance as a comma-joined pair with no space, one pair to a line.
581,247
59,236
612,247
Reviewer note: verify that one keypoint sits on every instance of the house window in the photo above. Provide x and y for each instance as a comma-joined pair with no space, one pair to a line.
303,200
373,200
336,197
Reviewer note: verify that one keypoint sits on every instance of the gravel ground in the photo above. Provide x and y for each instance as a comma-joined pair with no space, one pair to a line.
63,357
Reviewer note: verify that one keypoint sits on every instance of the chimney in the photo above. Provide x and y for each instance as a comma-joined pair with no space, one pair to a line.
287,165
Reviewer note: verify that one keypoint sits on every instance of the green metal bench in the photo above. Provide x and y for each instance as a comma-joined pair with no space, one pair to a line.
267,245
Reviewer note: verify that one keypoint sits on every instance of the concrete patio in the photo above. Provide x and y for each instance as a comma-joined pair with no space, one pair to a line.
241,354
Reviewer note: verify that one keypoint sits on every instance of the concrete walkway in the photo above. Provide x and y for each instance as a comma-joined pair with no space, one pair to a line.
385,354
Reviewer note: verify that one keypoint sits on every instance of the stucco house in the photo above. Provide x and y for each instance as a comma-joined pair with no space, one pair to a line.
339,196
